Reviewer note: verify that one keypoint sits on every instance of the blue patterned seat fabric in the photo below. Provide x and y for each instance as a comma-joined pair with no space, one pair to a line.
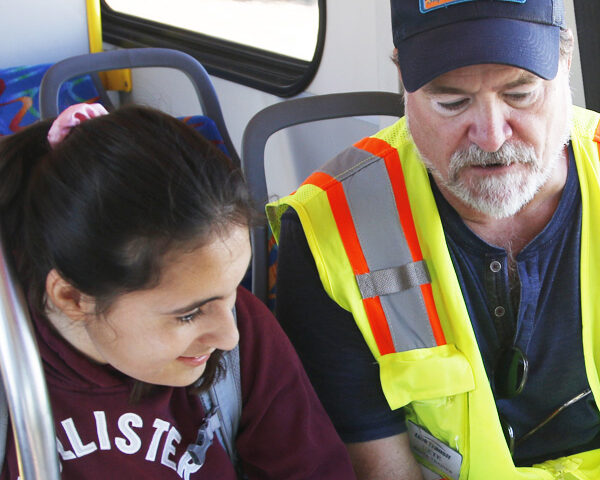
19,100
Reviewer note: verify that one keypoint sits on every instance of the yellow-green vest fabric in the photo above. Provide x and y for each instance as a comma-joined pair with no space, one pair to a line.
444,388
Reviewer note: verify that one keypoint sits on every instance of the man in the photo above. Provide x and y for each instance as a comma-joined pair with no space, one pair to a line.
447,314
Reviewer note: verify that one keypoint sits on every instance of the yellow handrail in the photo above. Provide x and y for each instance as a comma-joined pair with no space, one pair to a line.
114,79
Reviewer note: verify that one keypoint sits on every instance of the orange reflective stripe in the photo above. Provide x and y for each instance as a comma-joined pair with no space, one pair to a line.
597,136
379,325
345,225
382,149
434,320
343,219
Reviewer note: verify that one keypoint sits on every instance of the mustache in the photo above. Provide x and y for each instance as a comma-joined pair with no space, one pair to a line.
507,154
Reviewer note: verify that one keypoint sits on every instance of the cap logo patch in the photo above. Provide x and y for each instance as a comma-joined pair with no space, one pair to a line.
429,5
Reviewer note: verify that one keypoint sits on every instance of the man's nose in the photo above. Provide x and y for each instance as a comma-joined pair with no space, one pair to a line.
490,126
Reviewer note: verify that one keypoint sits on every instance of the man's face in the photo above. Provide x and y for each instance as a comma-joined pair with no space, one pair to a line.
492,135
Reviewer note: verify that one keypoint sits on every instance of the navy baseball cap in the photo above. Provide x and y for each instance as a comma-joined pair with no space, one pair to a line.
436,36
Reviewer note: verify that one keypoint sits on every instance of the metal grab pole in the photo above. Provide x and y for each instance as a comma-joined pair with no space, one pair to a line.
24,382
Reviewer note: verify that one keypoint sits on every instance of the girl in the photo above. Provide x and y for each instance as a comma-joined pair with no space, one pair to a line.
130,236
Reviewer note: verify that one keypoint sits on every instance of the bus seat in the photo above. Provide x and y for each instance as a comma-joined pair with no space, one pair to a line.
79,65
19,99
19,95
208,128
278,117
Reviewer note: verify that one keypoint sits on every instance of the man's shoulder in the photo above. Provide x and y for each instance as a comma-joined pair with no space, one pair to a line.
366,150
585,123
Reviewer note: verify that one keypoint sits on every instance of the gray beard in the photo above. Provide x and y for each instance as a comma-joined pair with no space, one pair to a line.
498,195
501,195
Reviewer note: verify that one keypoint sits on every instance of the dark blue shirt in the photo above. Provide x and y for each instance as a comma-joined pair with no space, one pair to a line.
541,316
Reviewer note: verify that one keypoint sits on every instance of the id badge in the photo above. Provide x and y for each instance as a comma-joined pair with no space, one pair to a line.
438,460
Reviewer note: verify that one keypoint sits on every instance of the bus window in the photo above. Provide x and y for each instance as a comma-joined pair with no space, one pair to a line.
272,45
286,27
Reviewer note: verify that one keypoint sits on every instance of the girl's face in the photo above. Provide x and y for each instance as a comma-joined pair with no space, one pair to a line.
166,334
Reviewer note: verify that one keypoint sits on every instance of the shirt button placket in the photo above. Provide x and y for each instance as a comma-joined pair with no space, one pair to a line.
495,267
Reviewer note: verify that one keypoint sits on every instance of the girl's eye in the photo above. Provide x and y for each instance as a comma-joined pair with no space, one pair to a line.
189,317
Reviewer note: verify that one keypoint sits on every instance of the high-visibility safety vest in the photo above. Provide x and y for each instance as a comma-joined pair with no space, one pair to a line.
374,230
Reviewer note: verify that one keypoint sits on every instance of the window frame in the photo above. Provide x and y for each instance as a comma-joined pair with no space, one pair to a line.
587,17
270,72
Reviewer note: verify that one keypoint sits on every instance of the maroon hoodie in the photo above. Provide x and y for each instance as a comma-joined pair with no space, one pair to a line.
284,431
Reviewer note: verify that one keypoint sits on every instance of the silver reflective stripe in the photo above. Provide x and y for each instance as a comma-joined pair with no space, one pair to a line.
348,163
371,200
393,280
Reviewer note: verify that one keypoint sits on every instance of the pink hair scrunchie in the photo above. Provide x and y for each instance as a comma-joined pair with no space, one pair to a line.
72,117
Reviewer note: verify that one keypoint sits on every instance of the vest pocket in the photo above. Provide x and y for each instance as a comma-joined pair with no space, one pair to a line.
432,384
423,374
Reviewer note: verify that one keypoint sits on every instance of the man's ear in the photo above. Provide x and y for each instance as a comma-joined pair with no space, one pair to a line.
570,57
65,297
395,60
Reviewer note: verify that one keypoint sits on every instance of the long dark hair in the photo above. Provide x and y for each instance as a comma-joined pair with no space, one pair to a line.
105,205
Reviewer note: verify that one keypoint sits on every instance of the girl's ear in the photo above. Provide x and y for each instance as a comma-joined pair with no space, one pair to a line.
67,298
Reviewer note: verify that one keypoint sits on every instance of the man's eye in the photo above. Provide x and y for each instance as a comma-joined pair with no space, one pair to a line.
518,96
521,98
453,106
